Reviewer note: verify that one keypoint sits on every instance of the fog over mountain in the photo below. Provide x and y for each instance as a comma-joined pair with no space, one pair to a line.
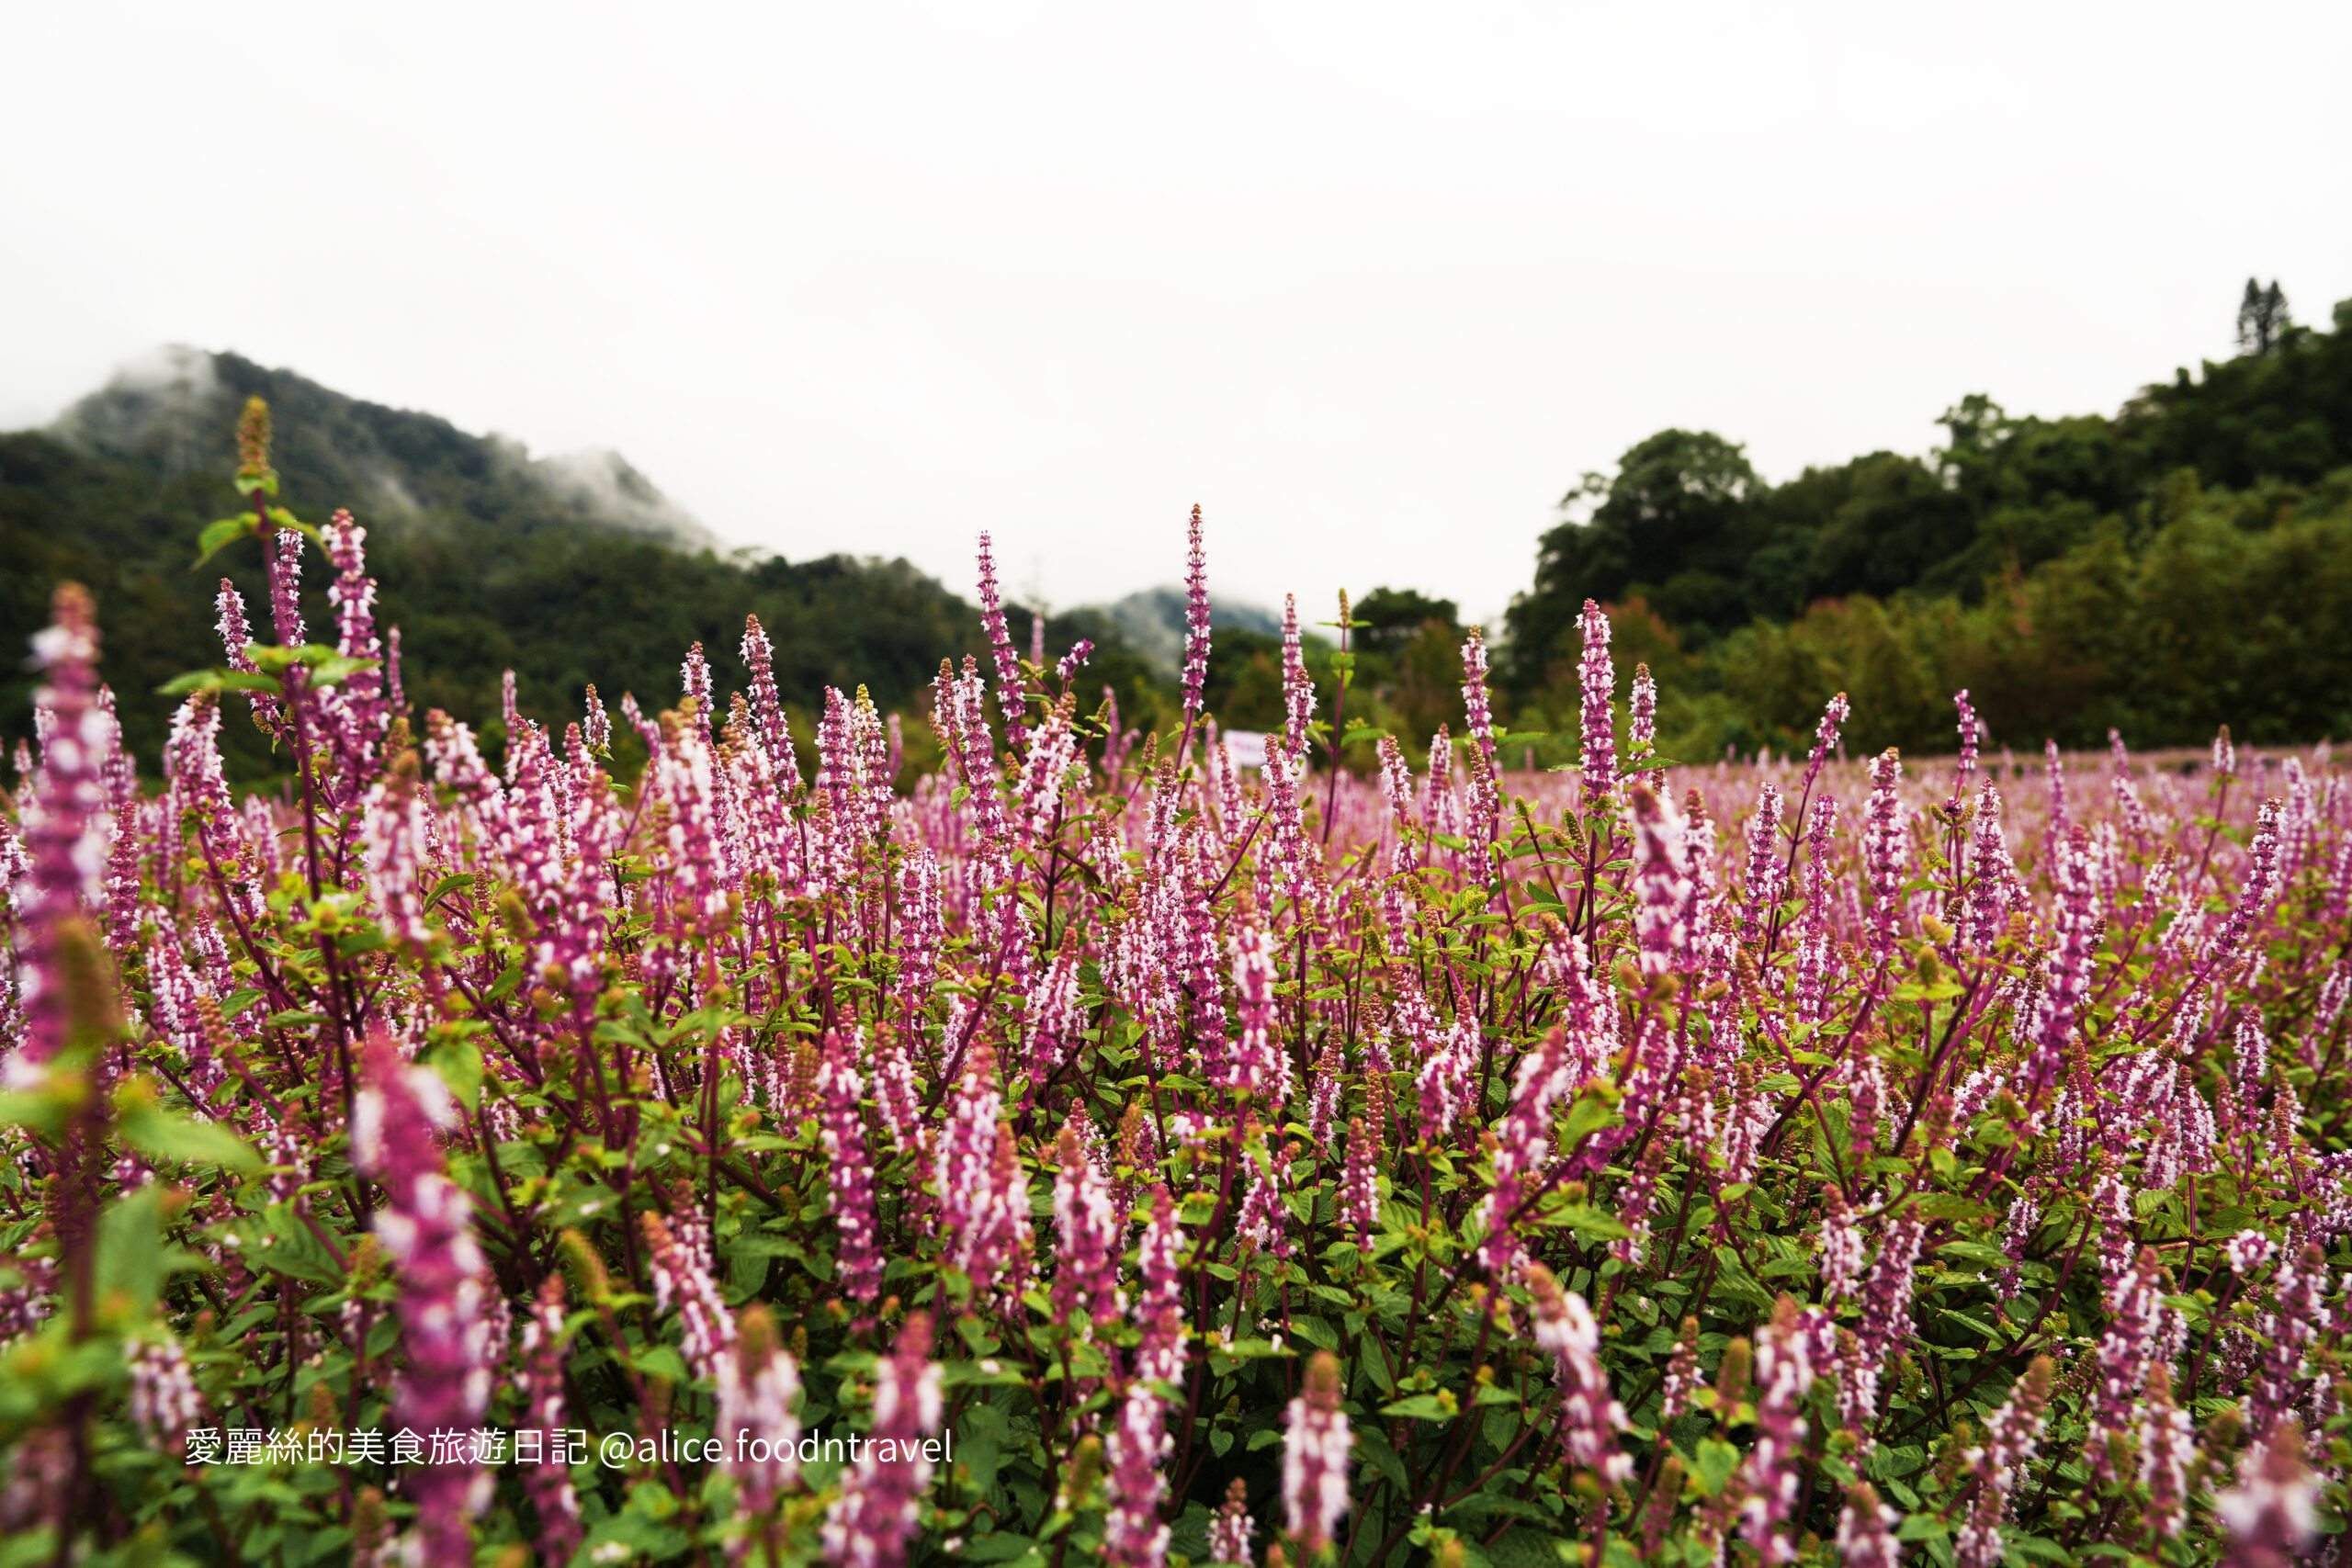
174,411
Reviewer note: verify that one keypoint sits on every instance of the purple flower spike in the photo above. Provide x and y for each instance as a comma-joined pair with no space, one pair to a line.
1011,694
2167,1443
65,830
1315,1456
757,1394
1196,625
164,1399
1885,851
1963,770
541,1384
1641,723
768,724
1137,1453
286,586
1160,1355
1231,1526
2011,1435
1598,677
681,1265
1825,740
1783,1374
236,638
1086,1274
2135,1322
1298,690
868,1525
1486,804
424,1226
2271,1514
1256,1064
1661,882
1359,1190
359,711
1589,1419
851,1165
1767,880
1866,1529
1813,930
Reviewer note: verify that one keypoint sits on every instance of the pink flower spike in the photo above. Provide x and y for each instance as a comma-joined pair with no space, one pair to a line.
1086,1273
426,1226
1598,677
1137,1452
1315,1456
64,827
758,1389
869,1524
1196,626
1011,692
541,1384
1589,1419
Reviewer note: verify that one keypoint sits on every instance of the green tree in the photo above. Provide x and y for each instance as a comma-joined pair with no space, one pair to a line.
1678,523
2262,317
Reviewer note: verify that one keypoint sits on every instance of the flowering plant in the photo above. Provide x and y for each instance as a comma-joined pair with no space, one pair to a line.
1090,1153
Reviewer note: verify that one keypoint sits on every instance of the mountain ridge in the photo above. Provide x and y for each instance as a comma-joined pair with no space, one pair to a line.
173,410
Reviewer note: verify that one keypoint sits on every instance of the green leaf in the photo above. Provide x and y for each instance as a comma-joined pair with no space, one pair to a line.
1419,1407
217,536
1714,1463
359,940
1974,1252
1595,1108
130,1249
334,671
167,1138
1373,1446
662,1361
215,681
1590,1224
288,1248
460,1064
1314,1331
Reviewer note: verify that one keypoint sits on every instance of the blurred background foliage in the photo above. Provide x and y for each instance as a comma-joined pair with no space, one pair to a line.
2185,563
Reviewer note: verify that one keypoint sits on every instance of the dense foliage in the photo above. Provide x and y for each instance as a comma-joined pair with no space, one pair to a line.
2210,523
1090,1154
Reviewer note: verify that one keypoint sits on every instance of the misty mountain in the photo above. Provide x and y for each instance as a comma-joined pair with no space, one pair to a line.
1152,622
566,570
175,412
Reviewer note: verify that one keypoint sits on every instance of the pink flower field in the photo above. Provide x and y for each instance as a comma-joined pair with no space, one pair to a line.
1095,1152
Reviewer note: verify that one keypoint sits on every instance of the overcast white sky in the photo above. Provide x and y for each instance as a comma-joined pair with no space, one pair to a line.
1372,283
